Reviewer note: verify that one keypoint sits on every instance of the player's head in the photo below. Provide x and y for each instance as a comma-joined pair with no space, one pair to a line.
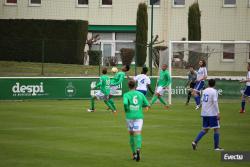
131,84
191,68
202,63
248,67
144,70
211,82
125,68
104,70
164,67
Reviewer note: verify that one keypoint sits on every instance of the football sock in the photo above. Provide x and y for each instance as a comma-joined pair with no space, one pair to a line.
197,100
216,139
109,105
189,96
154,99
138,139
162,101
200,135
132,143
243,103
92,103
111,101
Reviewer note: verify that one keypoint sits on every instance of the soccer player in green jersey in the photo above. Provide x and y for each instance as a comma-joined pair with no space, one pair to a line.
115,82
162,84
103,93
133,102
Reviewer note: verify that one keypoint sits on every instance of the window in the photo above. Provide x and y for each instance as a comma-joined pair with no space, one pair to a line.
34,2
10,2
82,3
229,3
178,3
228,51
107,3
155,2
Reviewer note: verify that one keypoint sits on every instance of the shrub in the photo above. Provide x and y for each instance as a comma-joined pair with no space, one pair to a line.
127,55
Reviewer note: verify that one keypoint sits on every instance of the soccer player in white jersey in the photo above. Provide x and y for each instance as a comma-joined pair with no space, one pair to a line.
210,114
247,90
143,82
200,82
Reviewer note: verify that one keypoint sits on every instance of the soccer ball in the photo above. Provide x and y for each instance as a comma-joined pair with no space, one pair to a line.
114,70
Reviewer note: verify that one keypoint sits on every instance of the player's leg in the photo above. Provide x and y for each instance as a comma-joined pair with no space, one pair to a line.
111,101
92,104
243,99
137,128
215,124
204,131
131,137
196,92
188,97
243,103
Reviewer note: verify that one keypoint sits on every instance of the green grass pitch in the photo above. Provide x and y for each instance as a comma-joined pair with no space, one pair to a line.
60,133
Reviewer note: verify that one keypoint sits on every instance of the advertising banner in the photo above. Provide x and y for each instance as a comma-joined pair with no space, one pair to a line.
17,88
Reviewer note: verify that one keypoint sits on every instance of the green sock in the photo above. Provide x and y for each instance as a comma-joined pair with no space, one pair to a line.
109,105
138,139
92,103
111,101
132,143
154,99
162,101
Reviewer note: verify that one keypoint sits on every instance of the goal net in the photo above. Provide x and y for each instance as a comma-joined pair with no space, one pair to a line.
223,58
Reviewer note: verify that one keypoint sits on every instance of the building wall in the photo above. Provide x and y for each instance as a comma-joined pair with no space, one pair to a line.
170,23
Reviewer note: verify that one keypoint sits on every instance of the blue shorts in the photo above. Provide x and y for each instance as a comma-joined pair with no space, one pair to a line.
210,122
199,85
247,91
143,92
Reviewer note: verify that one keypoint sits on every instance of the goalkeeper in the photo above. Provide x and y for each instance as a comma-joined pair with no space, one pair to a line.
133,102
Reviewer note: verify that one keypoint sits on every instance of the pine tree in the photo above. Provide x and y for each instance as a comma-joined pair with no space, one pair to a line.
194,33
141,34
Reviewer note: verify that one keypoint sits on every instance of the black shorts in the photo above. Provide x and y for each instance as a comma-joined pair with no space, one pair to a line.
192,84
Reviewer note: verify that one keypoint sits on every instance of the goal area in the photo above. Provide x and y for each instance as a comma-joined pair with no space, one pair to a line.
223,59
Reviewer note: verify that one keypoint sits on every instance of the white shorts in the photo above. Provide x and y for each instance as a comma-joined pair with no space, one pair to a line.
134,125
100,96
113,90
160,90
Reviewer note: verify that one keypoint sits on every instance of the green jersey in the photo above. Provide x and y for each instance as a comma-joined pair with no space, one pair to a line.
133,102
164,79
118,78
104,84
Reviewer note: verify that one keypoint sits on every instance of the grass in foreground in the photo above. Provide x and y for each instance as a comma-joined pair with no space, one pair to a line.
61,133
11,68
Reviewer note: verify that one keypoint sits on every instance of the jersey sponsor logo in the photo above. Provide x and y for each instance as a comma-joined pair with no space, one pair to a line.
28,90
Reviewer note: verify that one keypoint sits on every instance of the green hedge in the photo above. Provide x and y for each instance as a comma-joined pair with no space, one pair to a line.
61,41
94,57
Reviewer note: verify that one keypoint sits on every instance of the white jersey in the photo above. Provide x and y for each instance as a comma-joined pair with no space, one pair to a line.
210,102
248,78
201,73
142,82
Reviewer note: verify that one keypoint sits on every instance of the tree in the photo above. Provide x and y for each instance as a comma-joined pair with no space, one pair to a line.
194,34
141,34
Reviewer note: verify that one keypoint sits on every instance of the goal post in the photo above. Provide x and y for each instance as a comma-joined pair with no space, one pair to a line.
222,58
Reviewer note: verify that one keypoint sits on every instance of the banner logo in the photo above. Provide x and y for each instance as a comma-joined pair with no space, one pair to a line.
70,90
27,90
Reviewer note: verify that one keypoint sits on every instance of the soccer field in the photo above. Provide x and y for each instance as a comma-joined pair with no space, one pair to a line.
60,133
